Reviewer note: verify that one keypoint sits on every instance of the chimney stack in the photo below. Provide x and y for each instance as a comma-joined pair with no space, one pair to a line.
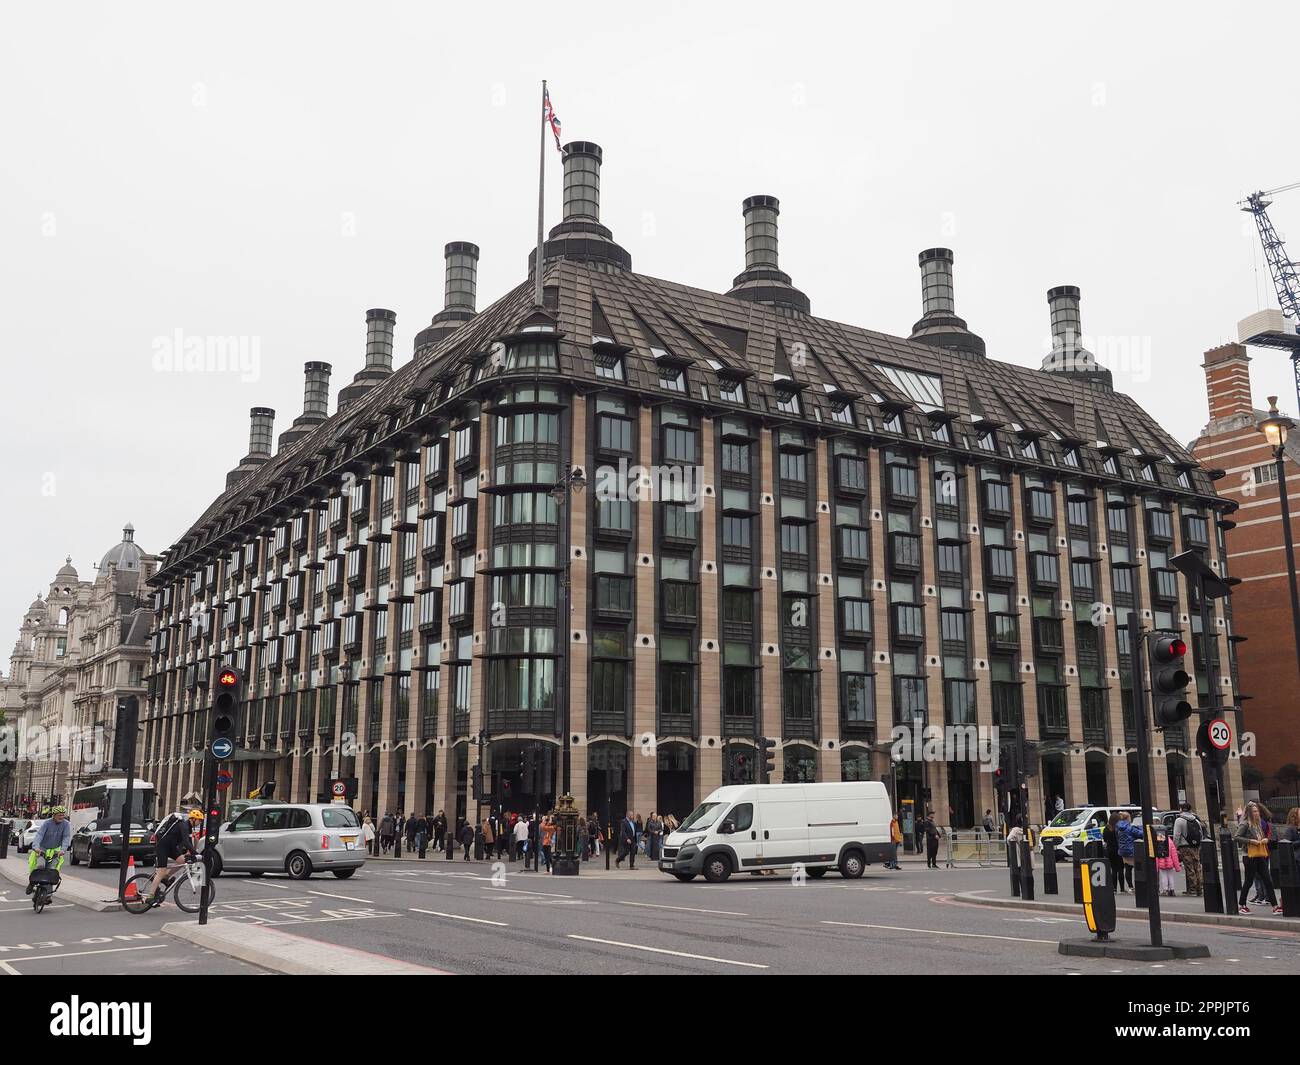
760,231
939,326
261,423
1227,382
762,280
460,294
1068,354
582,161
315,403
379,356
379,340
579,236
261,420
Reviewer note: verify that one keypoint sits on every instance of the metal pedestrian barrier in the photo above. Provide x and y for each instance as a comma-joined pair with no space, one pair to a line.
975,848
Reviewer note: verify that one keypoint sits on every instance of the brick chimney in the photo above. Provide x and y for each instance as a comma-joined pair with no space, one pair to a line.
1227,381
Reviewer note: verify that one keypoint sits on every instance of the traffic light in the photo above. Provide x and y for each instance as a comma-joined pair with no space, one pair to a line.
126,731
225,706
766,759
740,770
476,783
507,790
1169,680
1028,759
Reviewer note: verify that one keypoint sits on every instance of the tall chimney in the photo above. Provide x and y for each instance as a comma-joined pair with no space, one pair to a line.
582,161
261,420
579,236
1068,354
939,326
316,391
315,404
379,339
1227,382
762,281
379,356
460,294
261,423
760,231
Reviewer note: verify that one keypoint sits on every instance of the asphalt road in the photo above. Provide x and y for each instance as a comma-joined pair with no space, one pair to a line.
472,918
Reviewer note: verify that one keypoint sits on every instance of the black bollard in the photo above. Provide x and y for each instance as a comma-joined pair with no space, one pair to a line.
423,846
397,845
1211,889
478,844
451,846
1099,898
1026,870
1013,866
1049,869
1231,871
1142,887
6,829
1287,877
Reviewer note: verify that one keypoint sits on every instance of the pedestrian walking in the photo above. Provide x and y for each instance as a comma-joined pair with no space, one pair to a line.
931,842
439,830
1251,835
421,834
386,828
1187,841
367,833
521,840
627,841
896,839
583,838
1110,837
988,824
410,832
467,838
548,841
1266,823
655,831
1129,835
1168,867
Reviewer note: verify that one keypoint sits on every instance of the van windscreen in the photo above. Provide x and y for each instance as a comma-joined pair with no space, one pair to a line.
703,816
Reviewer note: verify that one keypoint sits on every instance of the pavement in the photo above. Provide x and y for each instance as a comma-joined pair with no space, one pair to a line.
493,918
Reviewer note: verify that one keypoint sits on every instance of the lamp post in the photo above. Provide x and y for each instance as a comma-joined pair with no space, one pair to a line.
1275,428
565,861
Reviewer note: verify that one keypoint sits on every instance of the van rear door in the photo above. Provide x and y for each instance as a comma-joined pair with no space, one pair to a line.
784,835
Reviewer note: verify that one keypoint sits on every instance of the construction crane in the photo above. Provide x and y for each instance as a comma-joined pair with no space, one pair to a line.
1286,278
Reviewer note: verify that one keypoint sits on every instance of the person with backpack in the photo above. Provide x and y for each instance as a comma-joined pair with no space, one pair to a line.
1187,841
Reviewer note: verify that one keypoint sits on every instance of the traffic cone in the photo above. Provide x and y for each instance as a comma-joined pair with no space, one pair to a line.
131,891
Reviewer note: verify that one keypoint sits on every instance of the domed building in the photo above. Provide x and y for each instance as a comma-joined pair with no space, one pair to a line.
80,648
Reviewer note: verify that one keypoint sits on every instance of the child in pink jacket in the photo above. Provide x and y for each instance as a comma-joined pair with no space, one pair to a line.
1170,866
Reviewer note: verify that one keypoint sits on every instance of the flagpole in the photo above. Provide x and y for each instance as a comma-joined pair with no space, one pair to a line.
541,198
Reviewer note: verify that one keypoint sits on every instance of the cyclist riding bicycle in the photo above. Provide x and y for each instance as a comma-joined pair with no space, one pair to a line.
53,838
175,837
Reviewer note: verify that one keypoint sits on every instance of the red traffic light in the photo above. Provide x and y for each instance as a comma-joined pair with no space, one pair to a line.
1167,648
227,678
1177,648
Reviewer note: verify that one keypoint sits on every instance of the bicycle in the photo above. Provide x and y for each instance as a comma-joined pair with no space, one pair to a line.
188,888
44,882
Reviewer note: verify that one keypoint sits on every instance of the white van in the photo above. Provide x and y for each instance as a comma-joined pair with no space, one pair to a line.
748,827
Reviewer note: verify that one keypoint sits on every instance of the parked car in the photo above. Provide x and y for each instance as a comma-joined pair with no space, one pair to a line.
1078,824
95,845
294,838
27,837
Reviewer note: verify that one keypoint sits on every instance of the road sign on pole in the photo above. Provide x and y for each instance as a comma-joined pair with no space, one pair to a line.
223,779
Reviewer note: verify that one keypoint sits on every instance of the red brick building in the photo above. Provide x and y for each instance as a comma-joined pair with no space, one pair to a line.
1261,605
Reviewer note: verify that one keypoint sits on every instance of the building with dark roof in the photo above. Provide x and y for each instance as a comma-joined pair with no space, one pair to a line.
791,528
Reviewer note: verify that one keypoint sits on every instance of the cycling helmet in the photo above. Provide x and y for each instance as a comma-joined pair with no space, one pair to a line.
59,810
196,815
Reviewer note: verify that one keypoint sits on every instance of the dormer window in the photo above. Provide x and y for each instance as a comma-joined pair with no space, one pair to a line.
1071,457
673,378
609,366
787,401
531,355
942,433
988,441
1029,449
1110,465
731,390
843,413
893,422
1148,472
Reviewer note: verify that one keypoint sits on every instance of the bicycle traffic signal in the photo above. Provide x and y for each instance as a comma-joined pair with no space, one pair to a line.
1169,680
766,759
225,705
476,784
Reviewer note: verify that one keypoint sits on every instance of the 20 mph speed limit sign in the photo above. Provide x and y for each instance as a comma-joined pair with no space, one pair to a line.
1219,734
340,789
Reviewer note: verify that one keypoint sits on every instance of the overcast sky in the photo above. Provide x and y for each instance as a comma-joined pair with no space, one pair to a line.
270,171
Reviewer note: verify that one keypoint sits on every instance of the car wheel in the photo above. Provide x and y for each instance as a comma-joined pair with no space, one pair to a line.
816,874
717,867
343,874
298,866
92,861
685,878
216,865
75,859
852,865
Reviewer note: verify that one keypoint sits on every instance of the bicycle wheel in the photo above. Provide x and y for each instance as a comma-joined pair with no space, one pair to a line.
189,895
142,883
39,899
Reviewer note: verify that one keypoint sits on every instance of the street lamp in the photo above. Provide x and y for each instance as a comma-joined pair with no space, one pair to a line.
1275,428
566,857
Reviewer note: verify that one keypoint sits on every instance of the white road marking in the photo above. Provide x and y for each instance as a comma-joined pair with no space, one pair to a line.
936,932
49,906
674,953
545,894
459,917
690,909
8,968
345,898
83,953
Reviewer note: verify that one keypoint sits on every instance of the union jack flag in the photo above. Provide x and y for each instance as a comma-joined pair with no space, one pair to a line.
549,115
